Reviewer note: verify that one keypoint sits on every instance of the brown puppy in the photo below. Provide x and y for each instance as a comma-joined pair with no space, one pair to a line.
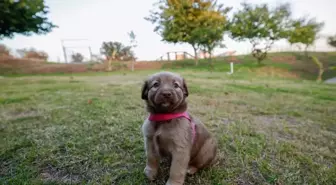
187,142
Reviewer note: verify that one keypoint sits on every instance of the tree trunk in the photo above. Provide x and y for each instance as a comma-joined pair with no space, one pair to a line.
306,51
210,60
133,61
319,77
109,64
320,68
195,55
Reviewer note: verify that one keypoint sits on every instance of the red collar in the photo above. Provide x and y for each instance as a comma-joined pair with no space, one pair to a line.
170,116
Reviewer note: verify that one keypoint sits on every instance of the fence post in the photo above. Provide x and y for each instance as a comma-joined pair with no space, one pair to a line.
231,68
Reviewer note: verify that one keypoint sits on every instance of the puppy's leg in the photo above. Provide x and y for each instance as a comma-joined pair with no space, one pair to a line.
152,163
204,157
178,167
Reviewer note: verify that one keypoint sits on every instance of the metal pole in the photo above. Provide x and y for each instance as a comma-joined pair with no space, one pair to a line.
64,48
64,52
90,53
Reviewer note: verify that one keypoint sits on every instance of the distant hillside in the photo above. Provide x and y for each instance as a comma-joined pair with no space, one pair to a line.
286,64
295,63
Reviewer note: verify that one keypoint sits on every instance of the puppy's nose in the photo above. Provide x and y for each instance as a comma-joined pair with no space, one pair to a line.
166,94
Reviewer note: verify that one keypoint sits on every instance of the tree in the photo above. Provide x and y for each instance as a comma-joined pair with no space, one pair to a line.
133,45
126,54
332,41
133,39
109,49
77,57
213,23
210,36
304,31
185,21
116,51
261,26
24,17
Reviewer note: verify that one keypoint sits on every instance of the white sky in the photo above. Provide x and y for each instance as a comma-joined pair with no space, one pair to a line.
111,20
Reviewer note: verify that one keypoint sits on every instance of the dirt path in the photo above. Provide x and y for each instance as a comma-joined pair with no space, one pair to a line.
331,81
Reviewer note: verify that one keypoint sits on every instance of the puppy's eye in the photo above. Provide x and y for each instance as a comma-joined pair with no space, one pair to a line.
156,84
176,85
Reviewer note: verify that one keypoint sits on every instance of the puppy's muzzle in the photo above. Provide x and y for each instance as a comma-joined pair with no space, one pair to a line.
166,94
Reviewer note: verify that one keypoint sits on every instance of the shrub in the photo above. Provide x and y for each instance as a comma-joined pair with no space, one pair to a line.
33,54
4,50
77,58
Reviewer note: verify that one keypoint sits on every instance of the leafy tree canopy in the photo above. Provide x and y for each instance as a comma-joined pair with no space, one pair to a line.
23,17
304,31
77,58
332,41
196,22
116,51
261,25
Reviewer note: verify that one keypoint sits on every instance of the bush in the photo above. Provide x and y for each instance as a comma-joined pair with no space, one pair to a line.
37,55
77,58
33,54
4,50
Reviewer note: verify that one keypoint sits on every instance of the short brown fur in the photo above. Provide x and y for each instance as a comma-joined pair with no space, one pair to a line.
173,138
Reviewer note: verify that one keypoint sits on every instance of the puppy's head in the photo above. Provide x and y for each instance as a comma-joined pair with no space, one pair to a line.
165,92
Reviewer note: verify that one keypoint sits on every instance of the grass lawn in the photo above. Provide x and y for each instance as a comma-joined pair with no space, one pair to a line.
86,129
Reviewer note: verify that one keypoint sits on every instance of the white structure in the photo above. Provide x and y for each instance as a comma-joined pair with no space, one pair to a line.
231,68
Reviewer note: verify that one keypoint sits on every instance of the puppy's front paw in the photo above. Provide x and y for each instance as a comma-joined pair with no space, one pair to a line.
169,182
191,170
150,173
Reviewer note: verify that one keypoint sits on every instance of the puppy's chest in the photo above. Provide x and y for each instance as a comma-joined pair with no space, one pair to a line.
165,130
165,137
171,132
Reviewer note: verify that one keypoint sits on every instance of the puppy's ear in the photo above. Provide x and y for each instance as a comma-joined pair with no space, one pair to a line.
185,88
144,91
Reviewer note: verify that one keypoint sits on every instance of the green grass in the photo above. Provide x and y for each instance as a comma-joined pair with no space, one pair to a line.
270,130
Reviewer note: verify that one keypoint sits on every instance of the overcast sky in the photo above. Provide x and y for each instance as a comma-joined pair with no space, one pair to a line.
111,20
